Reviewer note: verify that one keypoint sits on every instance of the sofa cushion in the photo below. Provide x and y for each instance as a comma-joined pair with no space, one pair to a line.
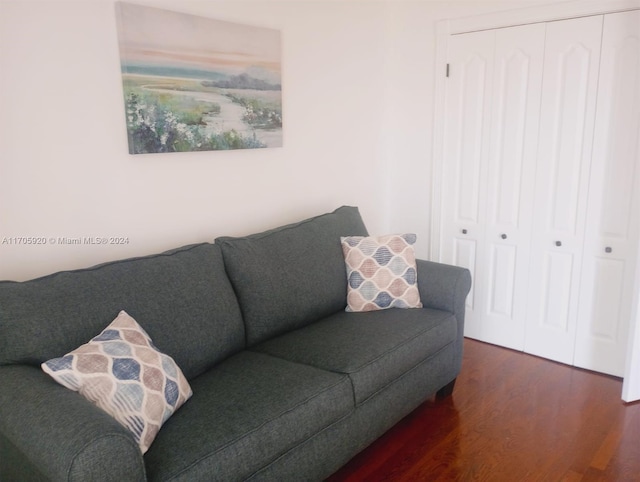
183,295
124,374
248,411
373,348
291,276
381,272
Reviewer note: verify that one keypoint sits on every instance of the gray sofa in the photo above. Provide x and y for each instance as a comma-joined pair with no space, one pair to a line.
286,384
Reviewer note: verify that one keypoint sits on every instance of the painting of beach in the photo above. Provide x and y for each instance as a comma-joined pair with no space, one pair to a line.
197,84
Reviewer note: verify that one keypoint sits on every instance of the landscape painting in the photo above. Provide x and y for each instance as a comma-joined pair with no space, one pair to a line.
196,84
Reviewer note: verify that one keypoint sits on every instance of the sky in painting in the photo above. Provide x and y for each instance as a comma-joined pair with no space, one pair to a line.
156,37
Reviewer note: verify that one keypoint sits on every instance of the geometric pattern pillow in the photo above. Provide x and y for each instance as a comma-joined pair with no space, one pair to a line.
123,373
381,272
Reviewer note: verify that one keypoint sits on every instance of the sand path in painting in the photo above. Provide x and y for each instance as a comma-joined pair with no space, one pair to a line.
230,116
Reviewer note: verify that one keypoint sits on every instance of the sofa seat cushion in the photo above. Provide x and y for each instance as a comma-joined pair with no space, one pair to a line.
373,348
245,413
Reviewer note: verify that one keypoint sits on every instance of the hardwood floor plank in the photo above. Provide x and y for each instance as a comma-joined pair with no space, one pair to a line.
625,463
571,476
512,417
607,450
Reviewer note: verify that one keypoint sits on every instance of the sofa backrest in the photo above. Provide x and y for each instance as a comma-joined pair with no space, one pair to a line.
182,298
291,276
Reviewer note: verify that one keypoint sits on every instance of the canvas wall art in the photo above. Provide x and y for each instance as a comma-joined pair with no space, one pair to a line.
197,84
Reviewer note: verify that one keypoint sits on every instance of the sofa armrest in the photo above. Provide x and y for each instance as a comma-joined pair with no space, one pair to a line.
48,432
445,287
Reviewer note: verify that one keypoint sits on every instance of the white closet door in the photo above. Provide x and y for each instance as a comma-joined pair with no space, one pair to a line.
493,100
464,166
612,225
571,64
515,110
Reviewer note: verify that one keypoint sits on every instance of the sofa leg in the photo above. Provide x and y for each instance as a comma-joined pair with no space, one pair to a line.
446,391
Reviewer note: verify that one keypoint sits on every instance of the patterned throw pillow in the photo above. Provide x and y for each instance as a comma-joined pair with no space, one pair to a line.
123,373
381,272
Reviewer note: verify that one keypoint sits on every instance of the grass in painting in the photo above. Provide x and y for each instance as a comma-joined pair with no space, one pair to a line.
162,116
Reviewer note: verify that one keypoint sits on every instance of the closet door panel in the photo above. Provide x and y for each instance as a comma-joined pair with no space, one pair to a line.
571,63
464,166
511,167
464,254
502,281
612,229
557,281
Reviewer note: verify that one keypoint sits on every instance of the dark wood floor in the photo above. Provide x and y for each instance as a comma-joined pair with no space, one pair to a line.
512,417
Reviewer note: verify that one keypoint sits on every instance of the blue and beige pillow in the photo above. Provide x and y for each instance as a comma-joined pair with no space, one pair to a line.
123,373
381,272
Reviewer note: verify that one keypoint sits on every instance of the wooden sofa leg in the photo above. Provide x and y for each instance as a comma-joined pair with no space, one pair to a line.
446,391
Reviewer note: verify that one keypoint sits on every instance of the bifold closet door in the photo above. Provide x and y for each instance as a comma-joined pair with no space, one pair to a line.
464,171
541,184
493,96
513,134
570,81
611,239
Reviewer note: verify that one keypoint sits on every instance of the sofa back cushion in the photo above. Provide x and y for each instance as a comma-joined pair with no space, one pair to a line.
182,298
291,276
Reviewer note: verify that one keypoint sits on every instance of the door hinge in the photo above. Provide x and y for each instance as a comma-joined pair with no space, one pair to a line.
447,70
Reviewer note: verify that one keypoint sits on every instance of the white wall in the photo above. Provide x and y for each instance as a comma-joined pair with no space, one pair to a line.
357,109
